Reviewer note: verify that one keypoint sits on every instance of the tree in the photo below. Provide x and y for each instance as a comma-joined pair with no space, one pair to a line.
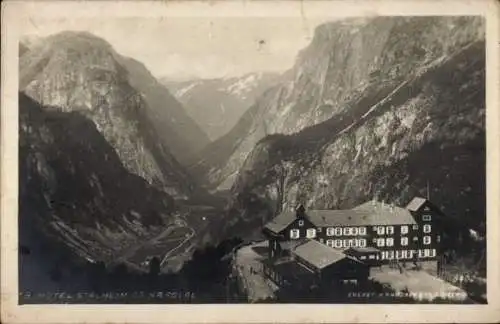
154,266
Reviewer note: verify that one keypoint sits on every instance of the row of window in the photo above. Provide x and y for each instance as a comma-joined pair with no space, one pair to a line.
344,244
356,231
310,233
389,230
408,254
401,255
381,242
345,231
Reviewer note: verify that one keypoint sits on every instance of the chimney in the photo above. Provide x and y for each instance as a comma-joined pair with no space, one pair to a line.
300,211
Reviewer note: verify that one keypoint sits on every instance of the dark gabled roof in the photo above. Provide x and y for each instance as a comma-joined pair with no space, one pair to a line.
369,213
281,221
416,203
317,254
322,218
379,213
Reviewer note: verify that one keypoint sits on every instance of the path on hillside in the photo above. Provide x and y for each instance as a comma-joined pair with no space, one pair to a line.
123,258
187,238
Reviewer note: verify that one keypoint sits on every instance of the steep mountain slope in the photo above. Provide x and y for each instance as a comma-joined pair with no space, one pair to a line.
76,199
344,61
182,130
217,104
391,143
76,71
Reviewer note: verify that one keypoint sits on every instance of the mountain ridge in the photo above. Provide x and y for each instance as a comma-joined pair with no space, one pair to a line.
216,104
432,129
335,70
78,71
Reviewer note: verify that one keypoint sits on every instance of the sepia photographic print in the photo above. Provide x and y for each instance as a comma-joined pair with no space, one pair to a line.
166,156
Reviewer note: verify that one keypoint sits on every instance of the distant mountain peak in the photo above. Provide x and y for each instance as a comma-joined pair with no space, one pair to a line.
78,71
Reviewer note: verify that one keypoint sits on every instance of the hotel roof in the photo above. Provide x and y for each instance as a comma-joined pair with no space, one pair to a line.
379,213
317,254
367,214
280,222
416,203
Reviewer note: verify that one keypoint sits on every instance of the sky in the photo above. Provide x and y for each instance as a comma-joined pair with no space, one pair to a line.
201,47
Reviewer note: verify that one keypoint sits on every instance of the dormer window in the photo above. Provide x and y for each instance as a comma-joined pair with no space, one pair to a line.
426,218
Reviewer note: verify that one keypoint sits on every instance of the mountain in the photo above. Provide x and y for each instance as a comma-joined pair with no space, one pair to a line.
421,133
147,127
217,104
348,63
77,201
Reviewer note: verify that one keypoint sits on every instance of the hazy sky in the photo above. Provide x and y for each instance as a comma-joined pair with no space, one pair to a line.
196,47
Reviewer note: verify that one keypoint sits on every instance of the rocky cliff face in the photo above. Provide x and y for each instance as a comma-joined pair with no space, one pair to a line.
418,125
74,189
78,72
217,104
345,61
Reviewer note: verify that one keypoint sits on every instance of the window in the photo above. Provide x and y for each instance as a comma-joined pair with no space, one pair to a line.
415,238
380,230
404,229
362,231
311,233
321,240
380,242
338,244
301,223
426,218
427,228
294,234
329,231
371,257
390,255
347,231
389,241
351,243
438,238
338,231
404,241
390,230
354,231
415,227
404,254
363,257
330,243
319,229
362,243
427,240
